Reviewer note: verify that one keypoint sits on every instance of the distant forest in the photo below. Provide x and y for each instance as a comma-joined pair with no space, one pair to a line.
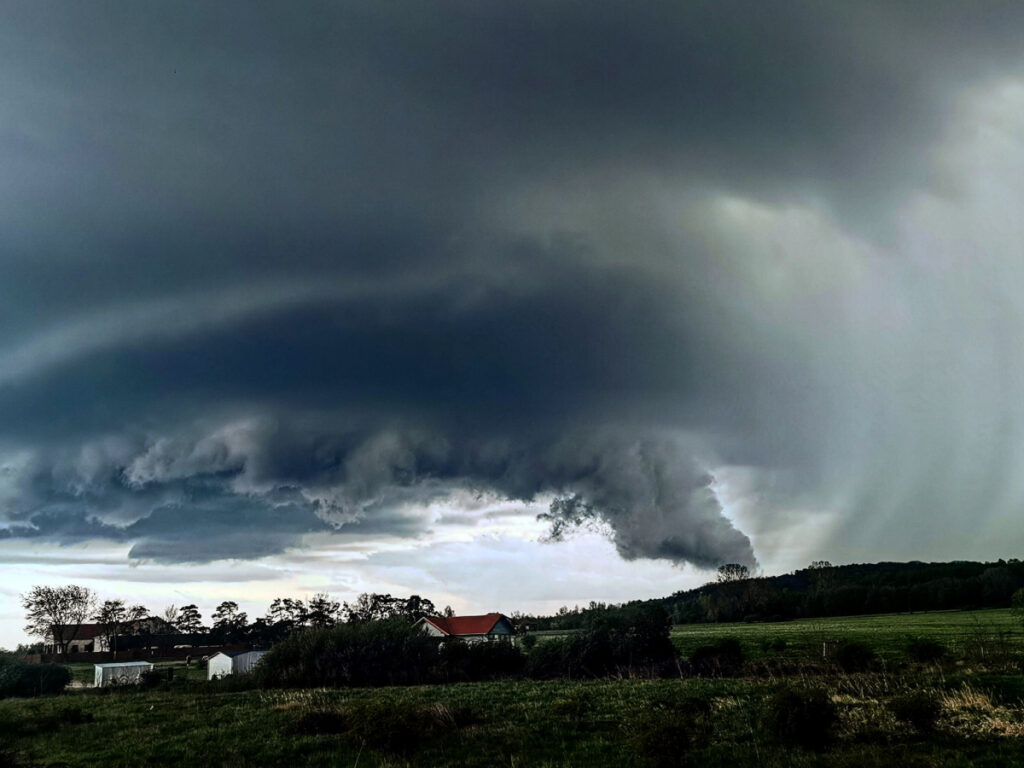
822,590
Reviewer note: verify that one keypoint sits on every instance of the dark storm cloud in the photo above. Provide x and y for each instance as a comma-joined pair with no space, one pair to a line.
271,272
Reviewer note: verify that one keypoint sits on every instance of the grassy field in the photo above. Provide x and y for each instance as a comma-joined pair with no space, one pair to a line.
960,631
973,705
599,723
887,634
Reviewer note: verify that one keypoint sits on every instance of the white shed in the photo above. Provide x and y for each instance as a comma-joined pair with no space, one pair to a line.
120,672
232,663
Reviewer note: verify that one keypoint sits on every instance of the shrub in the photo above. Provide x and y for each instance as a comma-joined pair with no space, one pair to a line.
527,642
718,659
156,678
20,679
920,708
925,650
358,654
801,716
460,662
855,656
665,733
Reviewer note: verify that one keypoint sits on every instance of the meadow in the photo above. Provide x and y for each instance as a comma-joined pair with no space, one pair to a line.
962,632
964,710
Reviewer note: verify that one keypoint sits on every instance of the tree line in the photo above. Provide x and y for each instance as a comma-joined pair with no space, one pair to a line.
821,590
57,614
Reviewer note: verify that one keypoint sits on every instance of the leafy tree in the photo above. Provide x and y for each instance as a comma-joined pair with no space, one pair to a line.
323,612
369,607
228,621
114,618
190,621
1017,604
57,613
286,614
417,607
137,613
260,632
377,607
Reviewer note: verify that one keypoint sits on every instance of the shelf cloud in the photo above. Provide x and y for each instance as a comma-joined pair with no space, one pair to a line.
693,275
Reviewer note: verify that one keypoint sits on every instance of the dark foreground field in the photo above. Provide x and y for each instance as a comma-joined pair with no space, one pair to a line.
979,722
782,706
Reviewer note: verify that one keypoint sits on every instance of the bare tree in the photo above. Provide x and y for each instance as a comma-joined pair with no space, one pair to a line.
733,572
171,616
57,613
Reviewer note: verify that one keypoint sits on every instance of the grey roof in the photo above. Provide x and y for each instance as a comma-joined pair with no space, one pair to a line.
232,654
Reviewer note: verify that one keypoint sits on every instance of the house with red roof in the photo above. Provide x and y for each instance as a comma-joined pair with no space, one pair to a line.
472,629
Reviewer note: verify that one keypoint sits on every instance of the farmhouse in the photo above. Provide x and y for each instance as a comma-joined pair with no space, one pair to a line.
87,638
232,663
120,672
472,629
95,638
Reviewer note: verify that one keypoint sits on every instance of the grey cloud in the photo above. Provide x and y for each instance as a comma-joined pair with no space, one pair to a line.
271,273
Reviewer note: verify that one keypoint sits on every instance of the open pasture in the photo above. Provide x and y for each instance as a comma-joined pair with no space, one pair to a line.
512,723
887,634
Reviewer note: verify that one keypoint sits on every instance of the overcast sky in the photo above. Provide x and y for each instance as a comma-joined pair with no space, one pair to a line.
343,296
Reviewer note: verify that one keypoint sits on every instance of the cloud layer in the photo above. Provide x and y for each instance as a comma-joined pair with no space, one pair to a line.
698,274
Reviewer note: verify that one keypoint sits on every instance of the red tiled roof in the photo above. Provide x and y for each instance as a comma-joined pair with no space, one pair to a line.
465,625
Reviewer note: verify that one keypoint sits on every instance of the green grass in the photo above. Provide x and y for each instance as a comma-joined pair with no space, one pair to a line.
507,723
567,723
960,631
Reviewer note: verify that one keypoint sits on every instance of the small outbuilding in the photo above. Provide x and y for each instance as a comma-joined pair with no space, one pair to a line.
232,663
120,673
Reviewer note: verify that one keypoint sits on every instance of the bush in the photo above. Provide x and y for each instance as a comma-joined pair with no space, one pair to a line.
630,642
156,678
718,659
925,650
463,662
920,708
20,679
358,654
801,716
855,656
527,642
665,733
